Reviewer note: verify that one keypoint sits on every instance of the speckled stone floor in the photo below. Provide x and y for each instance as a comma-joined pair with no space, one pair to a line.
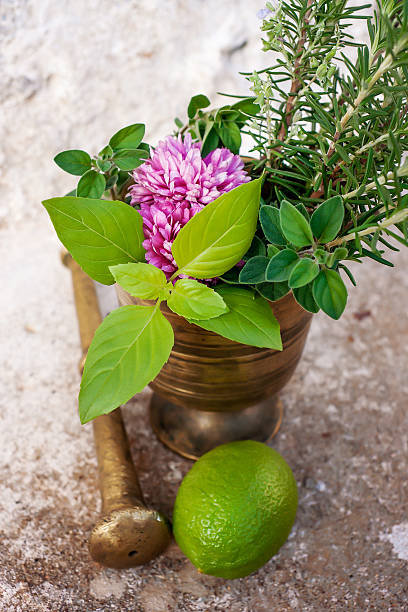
345,435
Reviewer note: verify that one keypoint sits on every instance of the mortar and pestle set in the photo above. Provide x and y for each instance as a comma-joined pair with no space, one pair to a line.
233,389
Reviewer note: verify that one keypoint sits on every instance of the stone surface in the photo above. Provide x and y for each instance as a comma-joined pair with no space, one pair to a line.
70,78
344,435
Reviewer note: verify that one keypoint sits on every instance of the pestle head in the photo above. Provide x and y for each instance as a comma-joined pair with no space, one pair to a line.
127,537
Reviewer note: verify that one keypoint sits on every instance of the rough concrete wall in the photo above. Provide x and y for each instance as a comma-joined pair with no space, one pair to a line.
73,73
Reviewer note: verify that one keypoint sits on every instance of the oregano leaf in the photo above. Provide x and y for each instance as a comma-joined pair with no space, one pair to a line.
273,291
128,137
281,265
129,159
294,226
197,102
304,297
254,270
303,273
92,184
327,219
270,223
73,161
330,293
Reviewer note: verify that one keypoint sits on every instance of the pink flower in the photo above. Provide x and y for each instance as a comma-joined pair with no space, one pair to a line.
174,185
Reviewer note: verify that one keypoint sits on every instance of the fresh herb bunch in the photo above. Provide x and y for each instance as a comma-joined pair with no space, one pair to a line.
332,137
328,171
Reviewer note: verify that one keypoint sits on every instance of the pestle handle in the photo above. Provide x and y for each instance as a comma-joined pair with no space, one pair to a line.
128,533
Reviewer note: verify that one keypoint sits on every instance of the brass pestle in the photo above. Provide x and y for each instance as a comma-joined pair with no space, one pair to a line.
128,533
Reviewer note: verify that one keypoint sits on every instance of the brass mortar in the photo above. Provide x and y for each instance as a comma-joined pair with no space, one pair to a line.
213,390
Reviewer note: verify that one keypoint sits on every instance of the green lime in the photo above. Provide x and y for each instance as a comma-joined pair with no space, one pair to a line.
235,508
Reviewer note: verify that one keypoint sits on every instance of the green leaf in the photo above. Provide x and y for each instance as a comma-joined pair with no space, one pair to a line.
271,250
303,273
73,161
281,265
257,248
218,236
321,256
103,165
247,106
250,319
91,185
273,291
106,152
302,209
376,257
140,279
327,219
254,270
128,137
230,135
340,253
270,223
210,142
197,102
330,293
129,159
127,352
304,297
98,233
294,226
231,276
193,300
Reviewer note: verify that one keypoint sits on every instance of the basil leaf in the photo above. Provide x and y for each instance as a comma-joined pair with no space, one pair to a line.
197,102
273,291
127,352
304,297
254,270
140,279
303,273
128,137
218,236
327,219
91,185
97,233
294,226
281,265
270,223
193,300
250,319
129,159
330,293
73,161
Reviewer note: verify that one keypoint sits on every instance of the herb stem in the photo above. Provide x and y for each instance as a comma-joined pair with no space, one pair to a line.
397,217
